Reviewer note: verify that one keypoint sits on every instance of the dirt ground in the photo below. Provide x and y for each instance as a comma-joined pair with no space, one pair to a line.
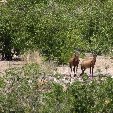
9,64
104,65
100,67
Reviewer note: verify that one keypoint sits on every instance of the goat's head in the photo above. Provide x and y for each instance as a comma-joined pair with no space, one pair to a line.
94,55
75,55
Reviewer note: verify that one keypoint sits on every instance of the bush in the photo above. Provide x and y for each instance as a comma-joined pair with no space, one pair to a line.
57,27
21,92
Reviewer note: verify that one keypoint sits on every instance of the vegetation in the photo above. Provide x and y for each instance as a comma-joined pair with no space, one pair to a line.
56,27
21,92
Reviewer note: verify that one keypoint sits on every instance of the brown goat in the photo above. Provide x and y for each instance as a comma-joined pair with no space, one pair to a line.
74,61
88,63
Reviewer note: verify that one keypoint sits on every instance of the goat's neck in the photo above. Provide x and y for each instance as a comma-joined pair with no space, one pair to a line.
75,58
94,59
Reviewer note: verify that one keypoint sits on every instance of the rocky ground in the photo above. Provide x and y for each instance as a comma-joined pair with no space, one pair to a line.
104,65
9,64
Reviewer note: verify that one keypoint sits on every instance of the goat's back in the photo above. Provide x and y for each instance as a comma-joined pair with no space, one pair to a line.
74,60
86,63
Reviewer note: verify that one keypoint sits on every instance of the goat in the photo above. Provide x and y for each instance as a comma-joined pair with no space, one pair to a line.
74,61
88,63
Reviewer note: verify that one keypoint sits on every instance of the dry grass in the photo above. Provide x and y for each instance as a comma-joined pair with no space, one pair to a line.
36,57
26,58
32,57
29,58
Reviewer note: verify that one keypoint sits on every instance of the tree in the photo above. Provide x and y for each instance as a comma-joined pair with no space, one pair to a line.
56,27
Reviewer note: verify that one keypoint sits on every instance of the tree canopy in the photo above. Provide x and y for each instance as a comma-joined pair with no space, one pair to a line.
57,27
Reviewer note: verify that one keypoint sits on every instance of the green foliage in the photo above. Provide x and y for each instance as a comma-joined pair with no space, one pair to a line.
21,92
1,82
57,27
91,97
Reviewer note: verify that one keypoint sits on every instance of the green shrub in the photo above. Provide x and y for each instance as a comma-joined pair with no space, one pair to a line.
20,93
57,27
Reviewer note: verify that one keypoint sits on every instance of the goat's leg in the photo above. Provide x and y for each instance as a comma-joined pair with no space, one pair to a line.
71,69
70,72
82,72
92,72
74,71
